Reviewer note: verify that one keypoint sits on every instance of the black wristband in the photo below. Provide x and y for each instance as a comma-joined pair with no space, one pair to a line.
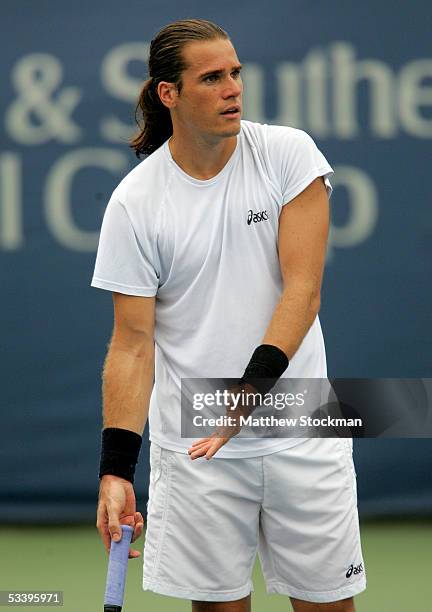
119,453
265,367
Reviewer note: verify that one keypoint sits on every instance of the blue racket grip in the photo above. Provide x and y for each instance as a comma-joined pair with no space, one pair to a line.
117,568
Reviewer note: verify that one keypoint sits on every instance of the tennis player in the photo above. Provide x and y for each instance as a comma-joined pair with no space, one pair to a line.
213,247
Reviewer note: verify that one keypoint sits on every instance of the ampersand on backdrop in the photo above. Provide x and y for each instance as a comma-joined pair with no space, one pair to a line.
35,78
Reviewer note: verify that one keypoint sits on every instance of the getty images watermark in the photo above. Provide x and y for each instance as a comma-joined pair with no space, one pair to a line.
398,408
239,404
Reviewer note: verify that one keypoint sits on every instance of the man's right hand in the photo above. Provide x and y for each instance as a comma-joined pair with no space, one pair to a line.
116,507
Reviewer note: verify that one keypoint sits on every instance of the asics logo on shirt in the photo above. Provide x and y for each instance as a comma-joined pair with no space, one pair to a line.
257,217
354,569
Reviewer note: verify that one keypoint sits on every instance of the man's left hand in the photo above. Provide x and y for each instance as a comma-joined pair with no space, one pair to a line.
208,447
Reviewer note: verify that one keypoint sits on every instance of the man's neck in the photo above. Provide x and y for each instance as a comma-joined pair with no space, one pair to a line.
200,159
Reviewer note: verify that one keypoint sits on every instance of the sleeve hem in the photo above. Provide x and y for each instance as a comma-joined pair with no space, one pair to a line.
120,288
325,171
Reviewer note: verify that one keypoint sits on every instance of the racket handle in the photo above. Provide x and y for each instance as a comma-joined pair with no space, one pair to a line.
117,568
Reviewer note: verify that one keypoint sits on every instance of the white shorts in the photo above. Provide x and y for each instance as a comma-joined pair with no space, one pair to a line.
297,508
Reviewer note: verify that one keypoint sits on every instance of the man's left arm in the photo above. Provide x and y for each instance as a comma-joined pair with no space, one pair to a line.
303,232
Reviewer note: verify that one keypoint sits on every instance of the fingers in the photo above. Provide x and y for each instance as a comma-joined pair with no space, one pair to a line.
196,448
114,523
207,449
136,521
199,452
138,527
217,444
203,444
102,527
199,442
102,524
108,530
201,449
134,554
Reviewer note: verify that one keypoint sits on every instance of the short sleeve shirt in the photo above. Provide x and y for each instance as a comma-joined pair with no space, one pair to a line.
208,251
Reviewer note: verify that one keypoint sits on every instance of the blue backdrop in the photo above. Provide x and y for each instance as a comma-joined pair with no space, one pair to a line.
356,76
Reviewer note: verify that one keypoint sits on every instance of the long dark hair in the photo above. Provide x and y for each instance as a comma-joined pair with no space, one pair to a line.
166,64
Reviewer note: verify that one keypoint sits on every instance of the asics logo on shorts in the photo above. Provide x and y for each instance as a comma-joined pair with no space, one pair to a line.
354,569
261,215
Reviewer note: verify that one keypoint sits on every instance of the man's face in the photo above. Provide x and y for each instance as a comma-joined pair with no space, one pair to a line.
211,86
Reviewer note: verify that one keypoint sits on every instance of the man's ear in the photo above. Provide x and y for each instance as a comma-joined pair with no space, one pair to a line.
168,94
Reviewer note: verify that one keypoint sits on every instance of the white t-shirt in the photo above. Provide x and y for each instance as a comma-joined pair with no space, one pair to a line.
215,276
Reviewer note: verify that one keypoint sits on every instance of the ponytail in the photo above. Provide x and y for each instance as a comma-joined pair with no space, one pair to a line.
155,121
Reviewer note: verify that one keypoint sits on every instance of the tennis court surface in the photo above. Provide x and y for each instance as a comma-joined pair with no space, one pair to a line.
397,554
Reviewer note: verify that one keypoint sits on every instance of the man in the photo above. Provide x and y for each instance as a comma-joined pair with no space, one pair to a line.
214,250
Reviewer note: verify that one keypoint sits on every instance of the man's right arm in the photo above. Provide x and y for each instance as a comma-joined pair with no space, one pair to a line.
127,384
129,365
